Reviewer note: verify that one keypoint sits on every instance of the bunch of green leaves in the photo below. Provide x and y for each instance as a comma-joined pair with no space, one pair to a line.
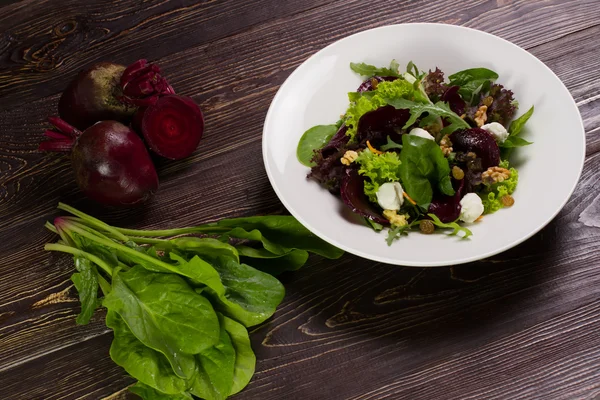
179,306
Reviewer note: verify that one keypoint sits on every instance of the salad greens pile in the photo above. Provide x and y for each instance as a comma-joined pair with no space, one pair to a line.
180,306
437,141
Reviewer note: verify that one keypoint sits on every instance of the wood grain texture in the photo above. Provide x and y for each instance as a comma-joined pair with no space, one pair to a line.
523,324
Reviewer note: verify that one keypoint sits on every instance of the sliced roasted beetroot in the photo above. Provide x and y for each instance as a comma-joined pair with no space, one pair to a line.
447,208
353,195
456,103
375,126
173,126
480,142
367,85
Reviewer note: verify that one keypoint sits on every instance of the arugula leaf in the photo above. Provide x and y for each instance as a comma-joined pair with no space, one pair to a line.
313,139
371,70
214,378
439,109
86,283
245,360
165,314
451,225
423,166
390,145
374,225
397,232
149,393
472,82
143,363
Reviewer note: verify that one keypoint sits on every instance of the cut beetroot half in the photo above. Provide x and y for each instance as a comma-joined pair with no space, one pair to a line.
173,126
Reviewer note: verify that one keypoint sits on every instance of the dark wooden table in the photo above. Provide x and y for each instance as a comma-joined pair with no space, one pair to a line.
523,324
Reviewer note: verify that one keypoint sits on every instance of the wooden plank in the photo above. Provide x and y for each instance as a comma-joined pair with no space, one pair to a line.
44,45
370,320
68,373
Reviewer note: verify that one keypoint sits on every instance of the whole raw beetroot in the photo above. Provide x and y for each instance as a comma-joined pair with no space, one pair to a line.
110,161
94,96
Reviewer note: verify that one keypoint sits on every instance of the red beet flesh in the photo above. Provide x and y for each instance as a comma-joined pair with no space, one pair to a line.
93,96
480,142
173,126
111,163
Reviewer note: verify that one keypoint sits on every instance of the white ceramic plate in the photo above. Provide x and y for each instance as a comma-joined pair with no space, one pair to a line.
316,93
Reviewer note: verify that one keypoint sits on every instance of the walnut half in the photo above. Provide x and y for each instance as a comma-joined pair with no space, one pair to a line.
495,174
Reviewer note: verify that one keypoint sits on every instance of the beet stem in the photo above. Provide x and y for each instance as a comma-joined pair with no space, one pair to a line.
132,70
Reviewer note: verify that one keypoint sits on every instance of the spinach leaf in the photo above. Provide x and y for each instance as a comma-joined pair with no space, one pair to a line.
423,167
514,141
149,393
472,82
517,125
165,314
214,378
390,145
514,130
86,283
272,263
250,297
205,247
451,225
279,234
238,290
143,363
439,109
371,70
245,360
313,139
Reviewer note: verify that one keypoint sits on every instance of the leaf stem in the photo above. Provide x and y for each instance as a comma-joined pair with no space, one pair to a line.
94,222
76,252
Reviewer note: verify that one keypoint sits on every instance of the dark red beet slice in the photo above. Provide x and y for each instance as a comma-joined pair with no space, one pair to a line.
92,97
367,85
353,195
110,161
173,126
375,126
456,103
447,208
480,142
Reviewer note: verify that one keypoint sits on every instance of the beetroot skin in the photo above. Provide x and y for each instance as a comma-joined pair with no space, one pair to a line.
111,163
173,126
108,91
93,96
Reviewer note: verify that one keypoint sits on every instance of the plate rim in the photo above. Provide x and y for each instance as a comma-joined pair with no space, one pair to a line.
387,260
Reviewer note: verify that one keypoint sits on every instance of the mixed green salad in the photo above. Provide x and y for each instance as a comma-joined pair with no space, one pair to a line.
416,150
